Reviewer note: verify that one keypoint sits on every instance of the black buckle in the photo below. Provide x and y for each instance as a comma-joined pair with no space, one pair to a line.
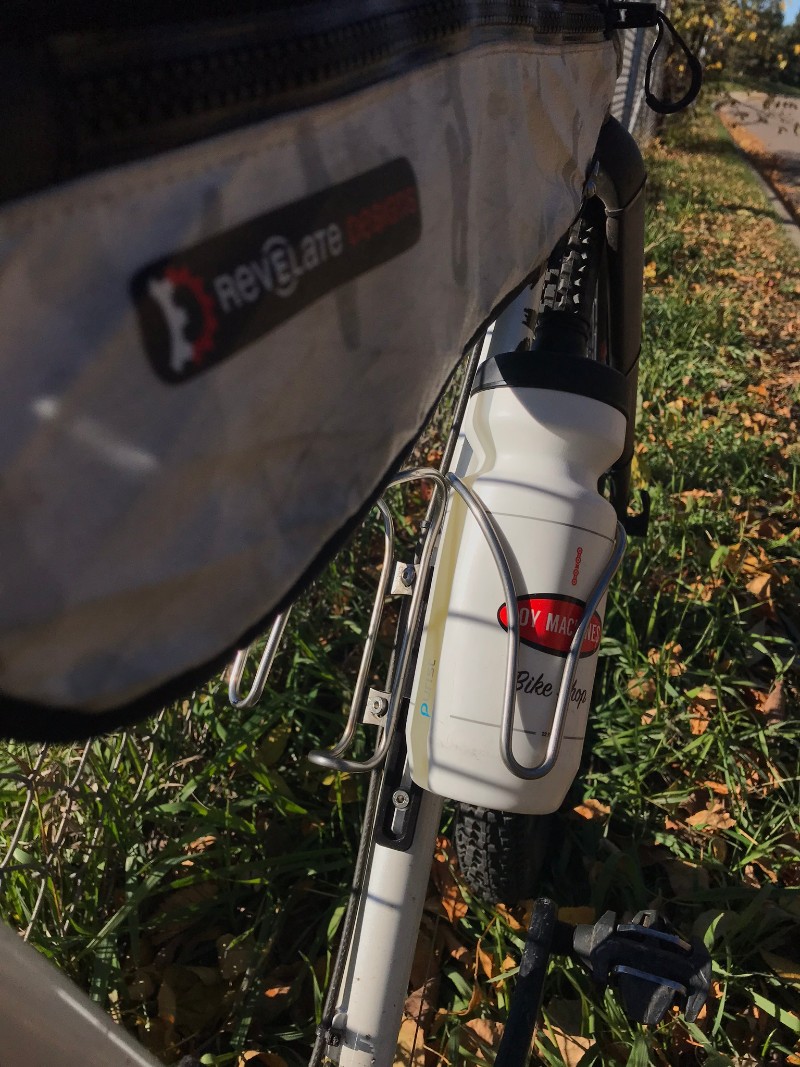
631,15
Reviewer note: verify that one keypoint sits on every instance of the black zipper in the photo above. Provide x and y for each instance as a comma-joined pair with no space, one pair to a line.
77,96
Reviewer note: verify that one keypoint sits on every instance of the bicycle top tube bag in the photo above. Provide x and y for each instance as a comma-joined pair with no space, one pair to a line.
242,247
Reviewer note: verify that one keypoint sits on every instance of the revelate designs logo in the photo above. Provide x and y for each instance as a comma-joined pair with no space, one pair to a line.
168,291
201,305
548,623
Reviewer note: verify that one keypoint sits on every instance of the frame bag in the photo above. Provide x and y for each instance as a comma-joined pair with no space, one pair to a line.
241,252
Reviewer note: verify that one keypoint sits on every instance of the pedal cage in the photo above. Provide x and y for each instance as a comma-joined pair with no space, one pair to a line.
649,964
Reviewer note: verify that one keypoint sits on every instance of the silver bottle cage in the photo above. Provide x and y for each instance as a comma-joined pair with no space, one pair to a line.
334,758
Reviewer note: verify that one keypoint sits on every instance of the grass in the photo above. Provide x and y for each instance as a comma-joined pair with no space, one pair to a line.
193,876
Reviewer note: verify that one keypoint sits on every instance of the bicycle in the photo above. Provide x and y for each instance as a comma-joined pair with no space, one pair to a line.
410,816
589,299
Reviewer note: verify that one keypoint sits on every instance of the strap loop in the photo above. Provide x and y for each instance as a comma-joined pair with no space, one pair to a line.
669,107
632,14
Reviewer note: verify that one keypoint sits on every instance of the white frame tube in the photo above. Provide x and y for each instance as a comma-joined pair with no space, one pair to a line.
46,1020
375,985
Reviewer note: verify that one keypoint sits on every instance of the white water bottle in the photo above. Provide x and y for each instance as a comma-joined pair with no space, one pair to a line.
538,434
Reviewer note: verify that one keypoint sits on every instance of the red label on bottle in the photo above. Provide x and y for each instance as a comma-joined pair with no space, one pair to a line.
548,623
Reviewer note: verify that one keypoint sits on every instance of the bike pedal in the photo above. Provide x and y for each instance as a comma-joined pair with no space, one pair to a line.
649,964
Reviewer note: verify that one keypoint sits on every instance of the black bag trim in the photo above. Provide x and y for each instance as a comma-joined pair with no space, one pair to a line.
75,98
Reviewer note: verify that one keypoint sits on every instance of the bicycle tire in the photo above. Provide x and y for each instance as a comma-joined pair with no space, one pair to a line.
501,854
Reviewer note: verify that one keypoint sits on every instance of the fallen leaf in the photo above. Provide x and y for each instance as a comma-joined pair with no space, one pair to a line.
463,956
761,586
701,701
749,876
769,874
698,720
641,687
488,1030
420,1004
451,897
572,1047
180,909
410,1045
484,962
720,849
712,819
202,844
260,1059
476,998
577,916
190,997
272,747
716,787
143,984
592,809
510,920
279,990
705,696
686,878
774,704
787,969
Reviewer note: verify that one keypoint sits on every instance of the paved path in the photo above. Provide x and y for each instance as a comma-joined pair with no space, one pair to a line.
770,125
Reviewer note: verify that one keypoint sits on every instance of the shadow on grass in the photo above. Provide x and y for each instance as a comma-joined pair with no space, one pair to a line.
707,146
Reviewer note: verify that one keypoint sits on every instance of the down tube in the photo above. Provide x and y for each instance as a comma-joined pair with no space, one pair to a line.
376,980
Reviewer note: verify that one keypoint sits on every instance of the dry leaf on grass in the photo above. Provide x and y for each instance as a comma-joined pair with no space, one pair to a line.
701,702
451,897
489,1031
420,1004
180,909
577,916
773,705
712,819
202,844
698,720
190,996
410,1045
716,787
686,878
261,1059
592,809
484,962
510,919
641,687
278,990
572,1047
475,1000
459,952
788,970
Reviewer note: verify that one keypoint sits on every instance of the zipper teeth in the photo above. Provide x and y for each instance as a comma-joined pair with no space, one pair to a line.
108,96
